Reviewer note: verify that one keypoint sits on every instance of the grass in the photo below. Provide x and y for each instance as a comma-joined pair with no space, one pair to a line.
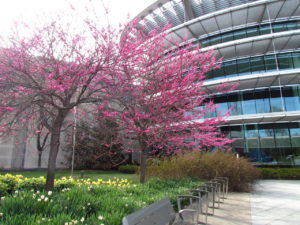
92,174
102,204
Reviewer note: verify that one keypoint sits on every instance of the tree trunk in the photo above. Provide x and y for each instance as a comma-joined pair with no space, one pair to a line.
40,159
54,147
143,158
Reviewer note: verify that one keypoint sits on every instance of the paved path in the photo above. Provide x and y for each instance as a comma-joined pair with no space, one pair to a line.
273,202
276,202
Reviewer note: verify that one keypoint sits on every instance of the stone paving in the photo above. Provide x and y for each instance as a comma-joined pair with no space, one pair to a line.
273,202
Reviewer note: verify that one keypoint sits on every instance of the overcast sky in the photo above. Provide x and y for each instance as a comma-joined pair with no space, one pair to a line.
17,10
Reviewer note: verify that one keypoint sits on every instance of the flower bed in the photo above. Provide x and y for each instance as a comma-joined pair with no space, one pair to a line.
82,201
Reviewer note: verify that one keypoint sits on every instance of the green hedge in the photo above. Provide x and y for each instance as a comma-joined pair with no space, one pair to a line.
280,173
128,168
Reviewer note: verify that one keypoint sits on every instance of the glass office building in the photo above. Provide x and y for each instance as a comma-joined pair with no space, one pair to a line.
259,43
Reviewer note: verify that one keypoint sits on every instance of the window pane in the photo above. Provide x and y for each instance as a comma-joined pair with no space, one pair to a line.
257,64
285,61
281,130
275,100
219,73
252,32
205,42
215,40
279,28
270,62
230,69
227,37
234,103
240,34
248,103
243,66
296,59
291,98
262,101
265,29
236,132
251,131
266,130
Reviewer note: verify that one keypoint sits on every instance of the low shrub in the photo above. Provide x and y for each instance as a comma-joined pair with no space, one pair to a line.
280,173
128,168
241,173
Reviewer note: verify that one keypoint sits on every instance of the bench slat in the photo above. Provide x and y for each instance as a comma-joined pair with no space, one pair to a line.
158,213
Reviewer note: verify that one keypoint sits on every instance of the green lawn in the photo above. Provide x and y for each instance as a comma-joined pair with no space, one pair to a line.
93,174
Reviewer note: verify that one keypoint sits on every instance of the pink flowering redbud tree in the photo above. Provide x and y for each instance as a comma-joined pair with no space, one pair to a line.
48,70
157,96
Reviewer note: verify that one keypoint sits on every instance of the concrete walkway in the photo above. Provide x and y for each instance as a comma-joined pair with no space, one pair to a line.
273,202
276,202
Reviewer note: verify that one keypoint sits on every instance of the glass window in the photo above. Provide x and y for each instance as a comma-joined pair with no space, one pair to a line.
291,98
295,134
265,29
227,37
234,103
230,69
296,59
295,129
257,64
248,103
281,129
221,101
252,32
285,61
236,132
205,42
219,73
215,40
279,28
240,34
292,26
225,131
243,66
251,131
262,101
282,135
275,100
266,130
270,62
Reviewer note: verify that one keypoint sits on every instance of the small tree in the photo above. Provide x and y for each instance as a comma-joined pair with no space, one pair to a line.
49,70
157,96
97,145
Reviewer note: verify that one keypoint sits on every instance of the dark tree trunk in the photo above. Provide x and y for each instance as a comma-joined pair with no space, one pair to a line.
40,159
54,147
143,158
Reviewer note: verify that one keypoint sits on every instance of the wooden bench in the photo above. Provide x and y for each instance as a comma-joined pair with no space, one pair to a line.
158,213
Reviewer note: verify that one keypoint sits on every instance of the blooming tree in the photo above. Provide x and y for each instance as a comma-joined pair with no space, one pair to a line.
157,96
48,71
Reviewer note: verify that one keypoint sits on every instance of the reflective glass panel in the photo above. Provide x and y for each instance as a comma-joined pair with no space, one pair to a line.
275,100
291,98
270,62
285,61
248,103
257,64
296,59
